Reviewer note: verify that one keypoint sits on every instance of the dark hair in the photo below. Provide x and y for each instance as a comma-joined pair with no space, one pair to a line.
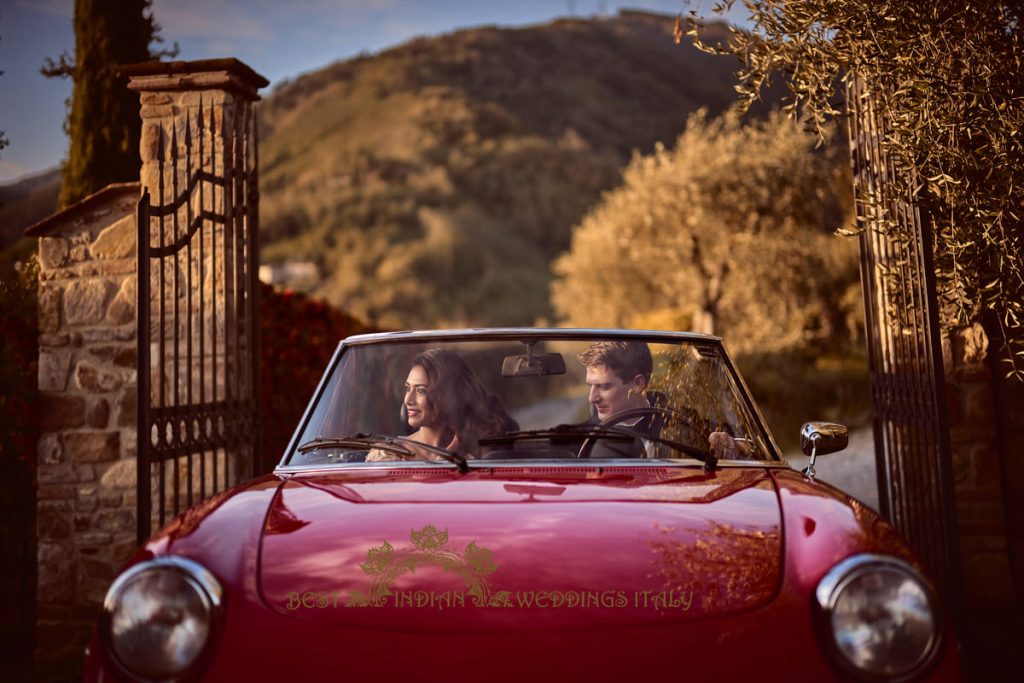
627,359
463,405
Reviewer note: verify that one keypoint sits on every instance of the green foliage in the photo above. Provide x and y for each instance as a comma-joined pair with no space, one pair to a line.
697,236
793,387
103,123
729,232
946,75
19,358
435,182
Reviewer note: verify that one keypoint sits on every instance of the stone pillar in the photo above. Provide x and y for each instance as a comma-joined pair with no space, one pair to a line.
88,356
171,94
977,473
985,410
197,117
87,373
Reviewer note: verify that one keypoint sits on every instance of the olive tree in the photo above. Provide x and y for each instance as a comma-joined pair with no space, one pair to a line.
946,76
729,232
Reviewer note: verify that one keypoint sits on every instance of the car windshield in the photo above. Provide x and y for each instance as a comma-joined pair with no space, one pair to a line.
473,397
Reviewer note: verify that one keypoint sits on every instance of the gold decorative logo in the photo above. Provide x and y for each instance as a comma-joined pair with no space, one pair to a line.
429,548
474,565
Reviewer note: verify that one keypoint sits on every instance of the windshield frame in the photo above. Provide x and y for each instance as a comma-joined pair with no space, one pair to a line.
520,334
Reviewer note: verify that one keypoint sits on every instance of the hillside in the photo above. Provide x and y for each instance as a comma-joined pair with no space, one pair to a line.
434,182
22,203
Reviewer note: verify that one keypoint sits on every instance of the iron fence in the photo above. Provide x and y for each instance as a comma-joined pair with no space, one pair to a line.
198,376
911,428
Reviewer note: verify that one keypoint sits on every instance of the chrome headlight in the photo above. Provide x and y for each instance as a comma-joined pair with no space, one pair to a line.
160,616
879,616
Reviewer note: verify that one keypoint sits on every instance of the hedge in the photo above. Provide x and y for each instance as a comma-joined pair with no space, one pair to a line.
298,336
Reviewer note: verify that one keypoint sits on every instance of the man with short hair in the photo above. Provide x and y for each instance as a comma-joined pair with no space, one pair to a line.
618,373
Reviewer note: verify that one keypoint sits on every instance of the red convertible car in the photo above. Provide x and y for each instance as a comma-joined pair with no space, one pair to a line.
529,504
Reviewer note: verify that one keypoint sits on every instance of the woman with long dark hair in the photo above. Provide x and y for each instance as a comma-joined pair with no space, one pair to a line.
447,405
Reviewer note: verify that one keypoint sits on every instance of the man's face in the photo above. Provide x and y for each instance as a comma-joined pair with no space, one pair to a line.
610,394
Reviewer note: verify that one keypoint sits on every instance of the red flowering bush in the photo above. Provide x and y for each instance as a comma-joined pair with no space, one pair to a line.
298,335
19,431
19,360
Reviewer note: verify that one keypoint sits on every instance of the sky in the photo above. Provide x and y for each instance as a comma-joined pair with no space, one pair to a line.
280,39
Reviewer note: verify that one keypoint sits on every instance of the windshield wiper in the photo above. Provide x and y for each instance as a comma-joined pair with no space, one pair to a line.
708,458
384,442
559,431
611,432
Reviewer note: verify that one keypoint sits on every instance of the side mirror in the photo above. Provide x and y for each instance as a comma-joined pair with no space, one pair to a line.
818,438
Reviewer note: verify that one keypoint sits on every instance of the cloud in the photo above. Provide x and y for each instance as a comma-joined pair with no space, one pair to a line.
223,21
252,20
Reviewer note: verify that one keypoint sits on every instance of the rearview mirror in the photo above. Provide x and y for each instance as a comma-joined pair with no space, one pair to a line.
533,365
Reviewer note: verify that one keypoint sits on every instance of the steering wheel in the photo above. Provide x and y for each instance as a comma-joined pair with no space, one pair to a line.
629,414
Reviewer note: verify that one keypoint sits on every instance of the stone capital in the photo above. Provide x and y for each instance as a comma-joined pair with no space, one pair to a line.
229,75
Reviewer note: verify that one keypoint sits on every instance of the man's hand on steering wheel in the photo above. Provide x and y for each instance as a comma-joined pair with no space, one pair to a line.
615,420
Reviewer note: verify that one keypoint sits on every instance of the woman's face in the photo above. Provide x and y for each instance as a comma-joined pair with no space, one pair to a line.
416,387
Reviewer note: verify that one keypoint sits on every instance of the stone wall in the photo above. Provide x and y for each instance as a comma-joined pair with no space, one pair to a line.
87,378
978,477
88,346
986,418
1008,397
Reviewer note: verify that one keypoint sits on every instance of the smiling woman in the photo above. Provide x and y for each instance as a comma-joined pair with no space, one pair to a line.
447,406
420,415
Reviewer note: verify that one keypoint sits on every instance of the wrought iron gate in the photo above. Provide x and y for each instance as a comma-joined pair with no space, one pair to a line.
198,378
912,446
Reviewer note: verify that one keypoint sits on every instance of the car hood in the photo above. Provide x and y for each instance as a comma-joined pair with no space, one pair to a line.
431,548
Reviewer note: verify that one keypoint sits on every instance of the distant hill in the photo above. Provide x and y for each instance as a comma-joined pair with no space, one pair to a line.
27,200
434,182
22,203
